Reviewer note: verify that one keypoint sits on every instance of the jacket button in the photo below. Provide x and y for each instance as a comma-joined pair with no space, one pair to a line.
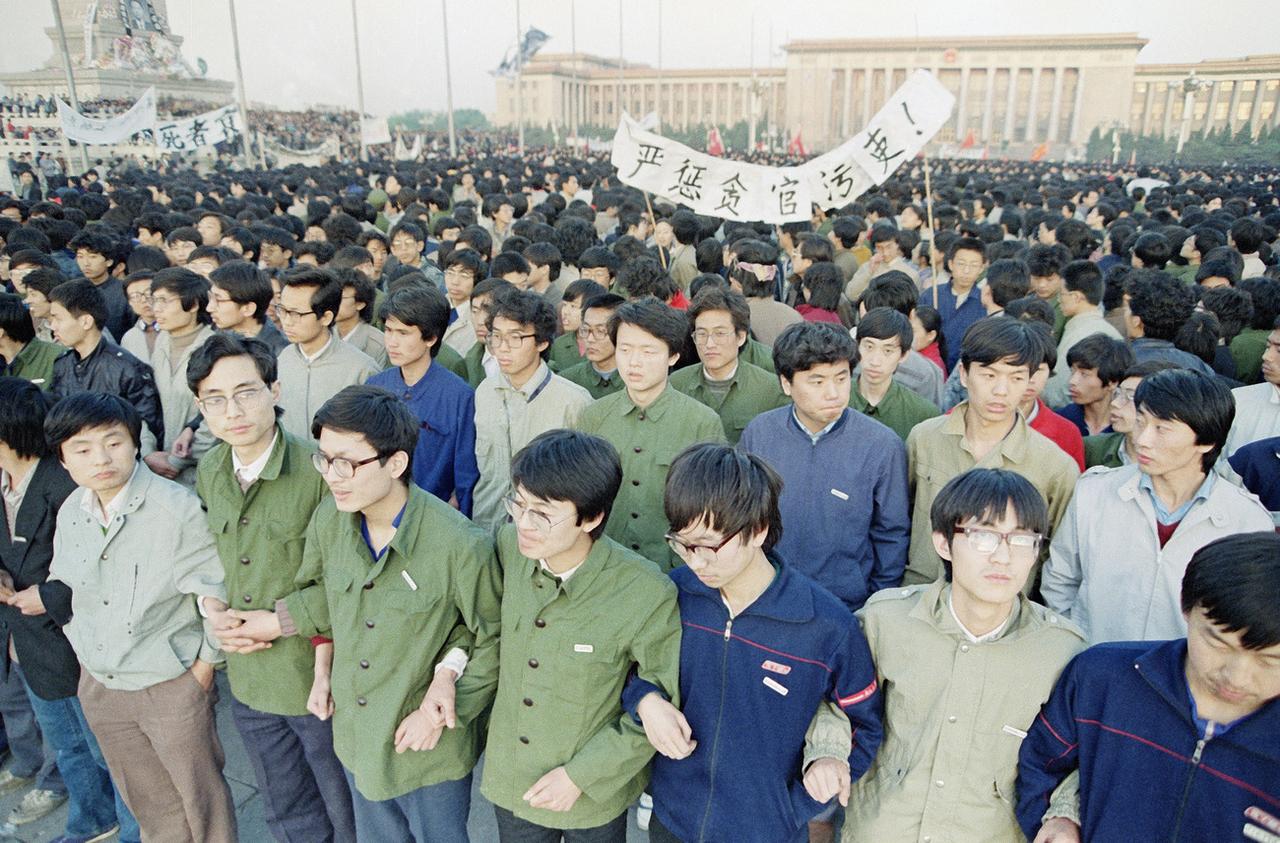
524,740
244,561
642,416
533,663
247,599
939,783
368,585
361,701
103,556
106,602
635,482
635,547
540,623
635,515
244,522
951,719
528,702
364,663
638,449
369,624
964,648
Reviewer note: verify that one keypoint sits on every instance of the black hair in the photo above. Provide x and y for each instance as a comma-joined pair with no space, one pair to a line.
327,296
1162,302
717,298
477,238
1248,234
731,491
1265,295
422,306
1199,335
244,283
384,421
1043,260
885,323
90,411
893,289
1084,277
931,320
362,288
582,289
406,227
146,259
655,318
571,466
191,289
1031,308
985,494
468,260
1008,279
599,257
1217,268
1201,402
1232,306
80,297
23,407
94,241
185,234
1235,579
527,308
1001,339
230,344
506,262
15,319
822,284
847,230
544,254
1111,358
803,345
1152,249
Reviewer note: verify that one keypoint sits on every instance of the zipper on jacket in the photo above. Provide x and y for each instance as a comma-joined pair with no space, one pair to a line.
715,742
1191,774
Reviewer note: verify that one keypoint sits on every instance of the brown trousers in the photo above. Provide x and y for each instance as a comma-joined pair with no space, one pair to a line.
161,746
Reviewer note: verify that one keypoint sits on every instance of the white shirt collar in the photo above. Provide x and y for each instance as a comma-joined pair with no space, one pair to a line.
564,578
311,358
251,472
977,639
89,503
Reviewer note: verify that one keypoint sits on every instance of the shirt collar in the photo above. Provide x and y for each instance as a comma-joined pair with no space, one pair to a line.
655,410
89,503
815,437
733,376
563,576
368,542
532,387
311,358
252,471
1163,515
979,639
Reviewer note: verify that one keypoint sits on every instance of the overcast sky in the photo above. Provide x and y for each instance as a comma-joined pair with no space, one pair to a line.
299,52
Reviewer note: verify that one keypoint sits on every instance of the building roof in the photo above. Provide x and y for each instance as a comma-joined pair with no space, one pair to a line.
1265,63
980,42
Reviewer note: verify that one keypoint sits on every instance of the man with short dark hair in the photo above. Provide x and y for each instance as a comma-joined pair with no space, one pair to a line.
240,300
1171,739
649,422
179,302
25,356
598,373
958,304
1167,506
997,358
720,325
838,467
884,339
96,256
1097,364
1158,305
1080,301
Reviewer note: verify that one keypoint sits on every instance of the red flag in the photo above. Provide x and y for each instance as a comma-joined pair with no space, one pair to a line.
714,145
970,140
1040,151
796,146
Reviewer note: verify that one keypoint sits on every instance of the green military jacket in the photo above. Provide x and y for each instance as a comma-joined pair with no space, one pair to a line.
647,441
899,410
1246,350
564,353
567,651
757,354
259,536
452,361
752,391
585,376
1104,449
473,365
391,621
35,363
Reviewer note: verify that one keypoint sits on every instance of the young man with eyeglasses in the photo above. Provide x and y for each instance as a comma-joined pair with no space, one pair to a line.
959,302
763,648
316,365
259,490
719,323
463,269
399,580
179,301
444,463
946,770
523,400
1167,506
479,363
140,340
649,422
598,373
580,614
240,301
1116,447
838,467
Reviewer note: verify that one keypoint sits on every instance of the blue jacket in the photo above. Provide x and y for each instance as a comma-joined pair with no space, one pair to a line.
1122,714
955,320
844,500
750,686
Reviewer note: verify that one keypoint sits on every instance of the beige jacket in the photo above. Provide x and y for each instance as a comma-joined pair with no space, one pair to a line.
955,715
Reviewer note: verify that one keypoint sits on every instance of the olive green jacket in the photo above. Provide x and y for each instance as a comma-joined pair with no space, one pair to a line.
567,651
752,391
564,352
899,410
34,363
391,621
259,536
586,377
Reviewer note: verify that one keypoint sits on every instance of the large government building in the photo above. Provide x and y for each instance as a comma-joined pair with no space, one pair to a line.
1013,93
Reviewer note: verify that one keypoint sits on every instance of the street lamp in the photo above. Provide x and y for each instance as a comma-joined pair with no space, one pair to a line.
1190,86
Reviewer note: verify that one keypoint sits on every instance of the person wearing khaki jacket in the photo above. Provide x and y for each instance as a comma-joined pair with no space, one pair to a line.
182,332
965,665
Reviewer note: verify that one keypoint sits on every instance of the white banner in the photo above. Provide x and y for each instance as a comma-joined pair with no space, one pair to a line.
373,130
313,157
203,130
6,179
140,118
406,153
738,190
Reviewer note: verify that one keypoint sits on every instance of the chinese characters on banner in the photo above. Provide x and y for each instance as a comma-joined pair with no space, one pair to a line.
741,191
107,130
212,127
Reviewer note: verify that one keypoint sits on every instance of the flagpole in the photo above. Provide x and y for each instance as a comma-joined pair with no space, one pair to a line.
519,86
71,81
618,93
448,80
933,232
244,107
573,74
653,222
355,34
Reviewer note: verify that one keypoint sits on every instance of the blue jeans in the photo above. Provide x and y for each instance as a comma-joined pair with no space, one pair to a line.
83,769
304,789
436,813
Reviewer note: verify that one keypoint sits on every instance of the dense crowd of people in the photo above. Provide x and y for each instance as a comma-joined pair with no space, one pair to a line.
933,517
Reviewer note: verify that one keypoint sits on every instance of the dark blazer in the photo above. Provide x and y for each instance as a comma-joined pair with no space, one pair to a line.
47,660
